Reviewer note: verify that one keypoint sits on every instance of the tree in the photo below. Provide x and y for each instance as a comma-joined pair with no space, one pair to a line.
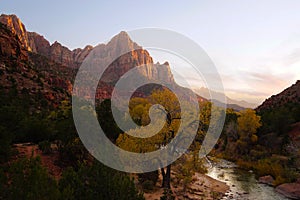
106,120
96,181
186,166
247,124
5,144
172,110
28,179
35,129
167,99
71,150
138,111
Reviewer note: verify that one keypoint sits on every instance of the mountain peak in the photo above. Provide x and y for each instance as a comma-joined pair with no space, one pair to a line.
15,25
123,34
122,43
11,17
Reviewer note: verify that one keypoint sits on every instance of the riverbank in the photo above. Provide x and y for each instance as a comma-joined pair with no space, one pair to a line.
243,184
201,187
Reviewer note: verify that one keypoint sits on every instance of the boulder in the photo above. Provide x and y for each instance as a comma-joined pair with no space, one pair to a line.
266,180
290,190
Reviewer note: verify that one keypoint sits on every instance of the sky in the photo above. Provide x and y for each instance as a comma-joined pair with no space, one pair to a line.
255,44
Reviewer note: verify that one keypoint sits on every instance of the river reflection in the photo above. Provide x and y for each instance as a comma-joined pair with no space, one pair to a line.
243,184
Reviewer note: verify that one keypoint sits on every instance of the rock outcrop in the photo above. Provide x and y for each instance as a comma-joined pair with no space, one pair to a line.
266,180
290,190
15,25
36,43
11,46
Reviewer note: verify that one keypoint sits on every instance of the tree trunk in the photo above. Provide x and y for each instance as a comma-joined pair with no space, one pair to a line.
166,177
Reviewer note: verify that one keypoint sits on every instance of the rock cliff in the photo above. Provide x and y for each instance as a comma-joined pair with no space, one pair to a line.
36,43
15,25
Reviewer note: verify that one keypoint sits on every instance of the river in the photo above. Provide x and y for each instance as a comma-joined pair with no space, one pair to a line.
243,184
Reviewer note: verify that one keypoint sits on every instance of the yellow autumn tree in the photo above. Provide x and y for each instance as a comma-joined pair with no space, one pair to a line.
139,109
247,124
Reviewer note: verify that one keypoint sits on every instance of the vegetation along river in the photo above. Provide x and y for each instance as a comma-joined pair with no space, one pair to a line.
243,184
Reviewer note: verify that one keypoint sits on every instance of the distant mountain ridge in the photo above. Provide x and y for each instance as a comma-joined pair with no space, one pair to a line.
231,103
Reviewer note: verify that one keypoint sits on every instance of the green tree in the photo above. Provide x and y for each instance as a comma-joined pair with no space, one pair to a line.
35,129
97,181
28,179
71,150
106,120
5,144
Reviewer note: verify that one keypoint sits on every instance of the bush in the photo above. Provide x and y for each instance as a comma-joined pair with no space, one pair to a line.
97,181
167,195
274,168
279,180
149,176
244,164
5,144
255,154
28,179
35,130
148,185
45,147
73,153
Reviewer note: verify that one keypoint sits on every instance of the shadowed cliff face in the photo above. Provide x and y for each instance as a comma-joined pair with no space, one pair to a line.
44,82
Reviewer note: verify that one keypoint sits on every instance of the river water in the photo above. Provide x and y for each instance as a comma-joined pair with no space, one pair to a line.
243,184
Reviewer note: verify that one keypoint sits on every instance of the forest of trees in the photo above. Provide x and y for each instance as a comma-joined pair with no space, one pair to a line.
26,178
85,178
257,141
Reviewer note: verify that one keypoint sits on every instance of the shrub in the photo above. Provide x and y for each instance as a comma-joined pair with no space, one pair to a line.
149,176
45,147
96,181
5,144
279,180
167,195
274,168
28,179
148,185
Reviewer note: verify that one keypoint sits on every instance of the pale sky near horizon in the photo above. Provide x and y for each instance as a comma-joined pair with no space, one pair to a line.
255,45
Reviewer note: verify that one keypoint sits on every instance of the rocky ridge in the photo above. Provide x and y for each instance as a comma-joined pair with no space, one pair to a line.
59,58
289,95
36,43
